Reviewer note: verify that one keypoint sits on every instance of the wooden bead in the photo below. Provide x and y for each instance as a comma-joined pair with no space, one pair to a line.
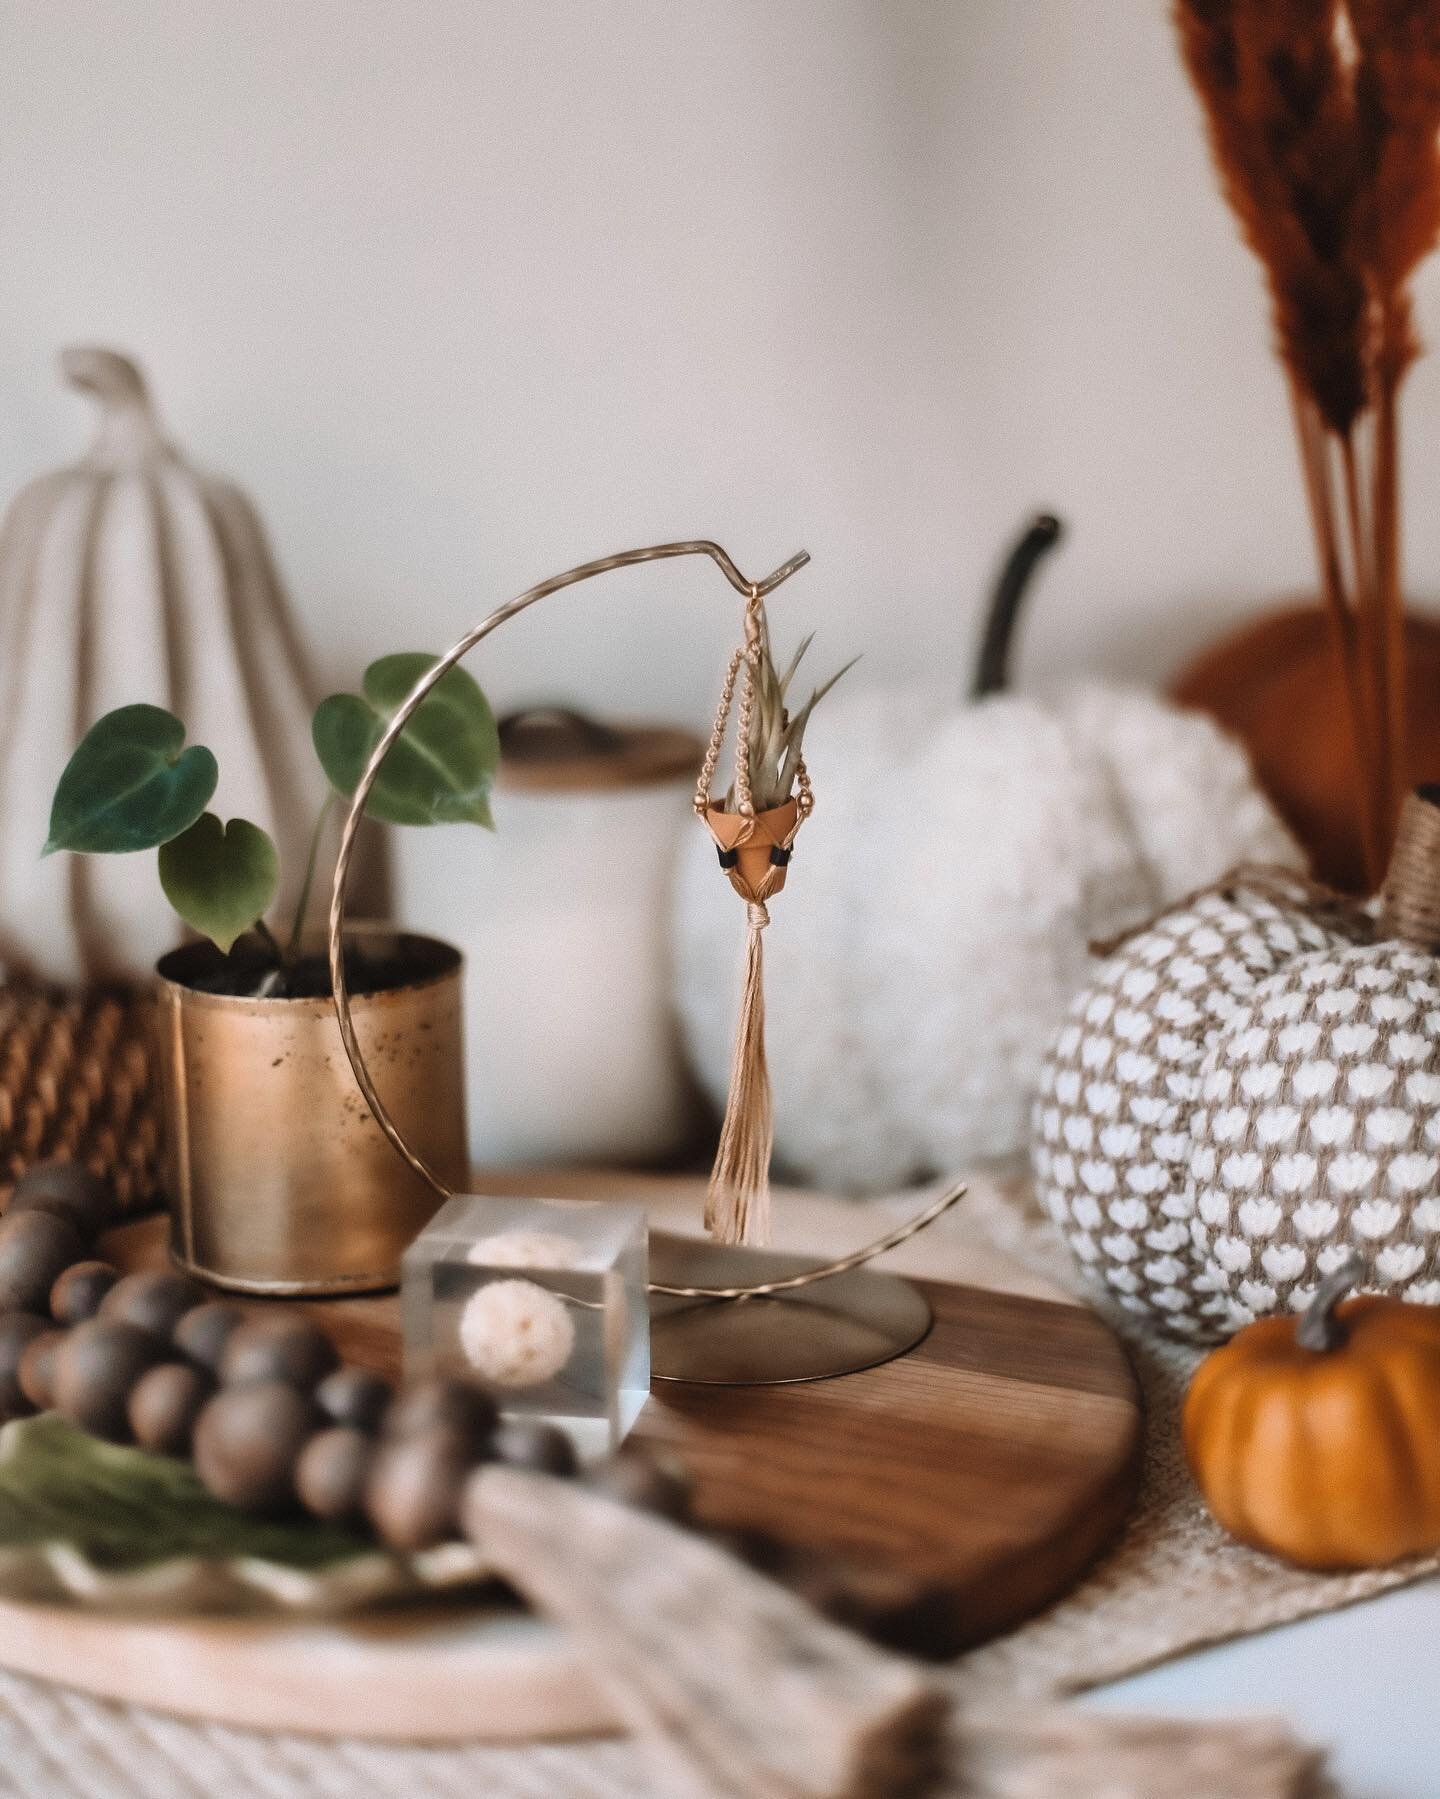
413,1493
35,1248
452,1405
248,1440
95,1369
541,1448
36,1372
164,1404
332,1473
156,1300
641,1482
69,1190
78,1292
354,1396
18,1330
202,1334
278,1347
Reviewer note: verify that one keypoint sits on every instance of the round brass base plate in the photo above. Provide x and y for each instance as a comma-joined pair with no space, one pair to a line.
836,1326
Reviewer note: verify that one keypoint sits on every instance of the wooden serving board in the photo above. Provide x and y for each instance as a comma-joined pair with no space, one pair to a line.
976,1476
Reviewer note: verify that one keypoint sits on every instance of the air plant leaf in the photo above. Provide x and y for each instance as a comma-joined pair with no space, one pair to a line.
131,785
441,768
775,737
220,878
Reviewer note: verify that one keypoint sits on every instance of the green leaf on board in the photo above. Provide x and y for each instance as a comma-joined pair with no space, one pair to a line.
220,878
442,767
124,1509
130,785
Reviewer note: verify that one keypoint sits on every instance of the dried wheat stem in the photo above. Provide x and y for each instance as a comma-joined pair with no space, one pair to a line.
1315,467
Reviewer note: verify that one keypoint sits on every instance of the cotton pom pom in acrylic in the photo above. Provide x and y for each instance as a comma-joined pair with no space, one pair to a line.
516,1334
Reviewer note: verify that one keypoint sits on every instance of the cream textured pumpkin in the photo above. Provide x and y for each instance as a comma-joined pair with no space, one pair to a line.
130,577
959,862
1247,1097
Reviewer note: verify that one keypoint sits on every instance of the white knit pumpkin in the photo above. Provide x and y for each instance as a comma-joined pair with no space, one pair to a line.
960,860
130,577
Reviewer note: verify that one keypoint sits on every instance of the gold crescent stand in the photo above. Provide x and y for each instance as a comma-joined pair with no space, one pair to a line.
718,1315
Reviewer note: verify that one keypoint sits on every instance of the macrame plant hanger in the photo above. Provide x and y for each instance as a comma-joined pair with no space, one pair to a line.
721,1312
754,849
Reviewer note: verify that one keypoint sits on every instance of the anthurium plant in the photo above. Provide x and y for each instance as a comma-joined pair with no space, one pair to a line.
134,784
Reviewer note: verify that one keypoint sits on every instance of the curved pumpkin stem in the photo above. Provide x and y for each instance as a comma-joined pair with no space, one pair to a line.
992,666
128,428
1319,1329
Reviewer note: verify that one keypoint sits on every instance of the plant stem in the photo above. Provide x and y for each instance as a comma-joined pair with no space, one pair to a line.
269,939
1310,434
1369,653
1385,523
302,904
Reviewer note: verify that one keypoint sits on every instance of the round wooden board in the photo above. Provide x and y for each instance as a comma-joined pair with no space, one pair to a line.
981,1473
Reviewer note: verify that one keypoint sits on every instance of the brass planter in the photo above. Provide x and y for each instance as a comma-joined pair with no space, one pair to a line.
279,1180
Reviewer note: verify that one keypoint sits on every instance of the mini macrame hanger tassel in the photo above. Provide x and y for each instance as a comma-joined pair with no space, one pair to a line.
754,850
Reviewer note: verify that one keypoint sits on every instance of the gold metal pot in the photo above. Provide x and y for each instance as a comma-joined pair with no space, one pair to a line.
279,1179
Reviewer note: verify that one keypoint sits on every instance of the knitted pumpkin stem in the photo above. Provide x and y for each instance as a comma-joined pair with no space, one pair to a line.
1319,1329
1410,898
992,666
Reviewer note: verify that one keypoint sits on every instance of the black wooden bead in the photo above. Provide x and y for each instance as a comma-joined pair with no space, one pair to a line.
333,1471
248,1440
96,1368
155,1300
68,1189
164,1404
527,1443
354,1396
203,1333
452,1405
78,1292
35,1248
18,1330
278,1347
639,1481
36,1373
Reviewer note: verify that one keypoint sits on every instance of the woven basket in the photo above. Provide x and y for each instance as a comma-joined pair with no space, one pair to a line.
78,1080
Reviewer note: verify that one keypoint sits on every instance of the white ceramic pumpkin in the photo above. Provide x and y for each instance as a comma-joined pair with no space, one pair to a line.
959,863
126,577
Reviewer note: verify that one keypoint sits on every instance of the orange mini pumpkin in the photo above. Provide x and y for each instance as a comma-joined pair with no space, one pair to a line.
1318,1438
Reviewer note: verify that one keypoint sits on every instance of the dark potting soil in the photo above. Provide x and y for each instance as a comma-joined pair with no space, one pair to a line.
394,960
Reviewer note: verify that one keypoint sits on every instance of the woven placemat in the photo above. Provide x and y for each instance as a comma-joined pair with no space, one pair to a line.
78,1080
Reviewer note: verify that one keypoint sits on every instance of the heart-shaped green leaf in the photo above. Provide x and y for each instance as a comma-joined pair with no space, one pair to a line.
220,878
441,768
130,785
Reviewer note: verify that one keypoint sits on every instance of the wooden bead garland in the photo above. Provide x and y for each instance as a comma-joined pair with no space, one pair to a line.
272,1419
272,1422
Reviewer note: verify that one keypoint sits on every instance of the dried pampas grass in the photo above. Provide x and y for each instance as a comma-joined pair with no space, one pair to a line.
1323,118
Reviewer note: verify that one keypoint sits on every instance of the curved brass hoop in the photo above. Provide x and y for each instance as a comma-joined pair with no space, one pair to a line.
424,686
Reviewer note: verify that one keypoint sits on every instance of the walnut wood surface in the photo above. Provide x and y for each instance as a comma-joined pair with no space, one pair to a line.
977,1476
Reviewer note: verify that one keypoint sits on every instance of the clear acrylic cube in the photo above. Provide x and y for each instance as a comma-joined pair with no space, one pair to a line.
543,1301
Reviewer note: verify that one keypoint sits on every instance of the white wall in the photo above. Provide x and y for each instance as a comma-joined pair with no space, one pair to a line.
466,290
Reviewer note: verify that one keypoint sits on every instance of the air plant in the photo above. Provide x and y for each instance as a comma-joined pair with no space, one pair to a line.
1323,117
776,737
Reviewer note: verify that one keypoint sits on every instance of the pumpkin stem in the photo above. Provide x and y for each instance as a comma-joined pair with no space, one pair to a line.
1319,1329
1410,898
128,429
992,667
